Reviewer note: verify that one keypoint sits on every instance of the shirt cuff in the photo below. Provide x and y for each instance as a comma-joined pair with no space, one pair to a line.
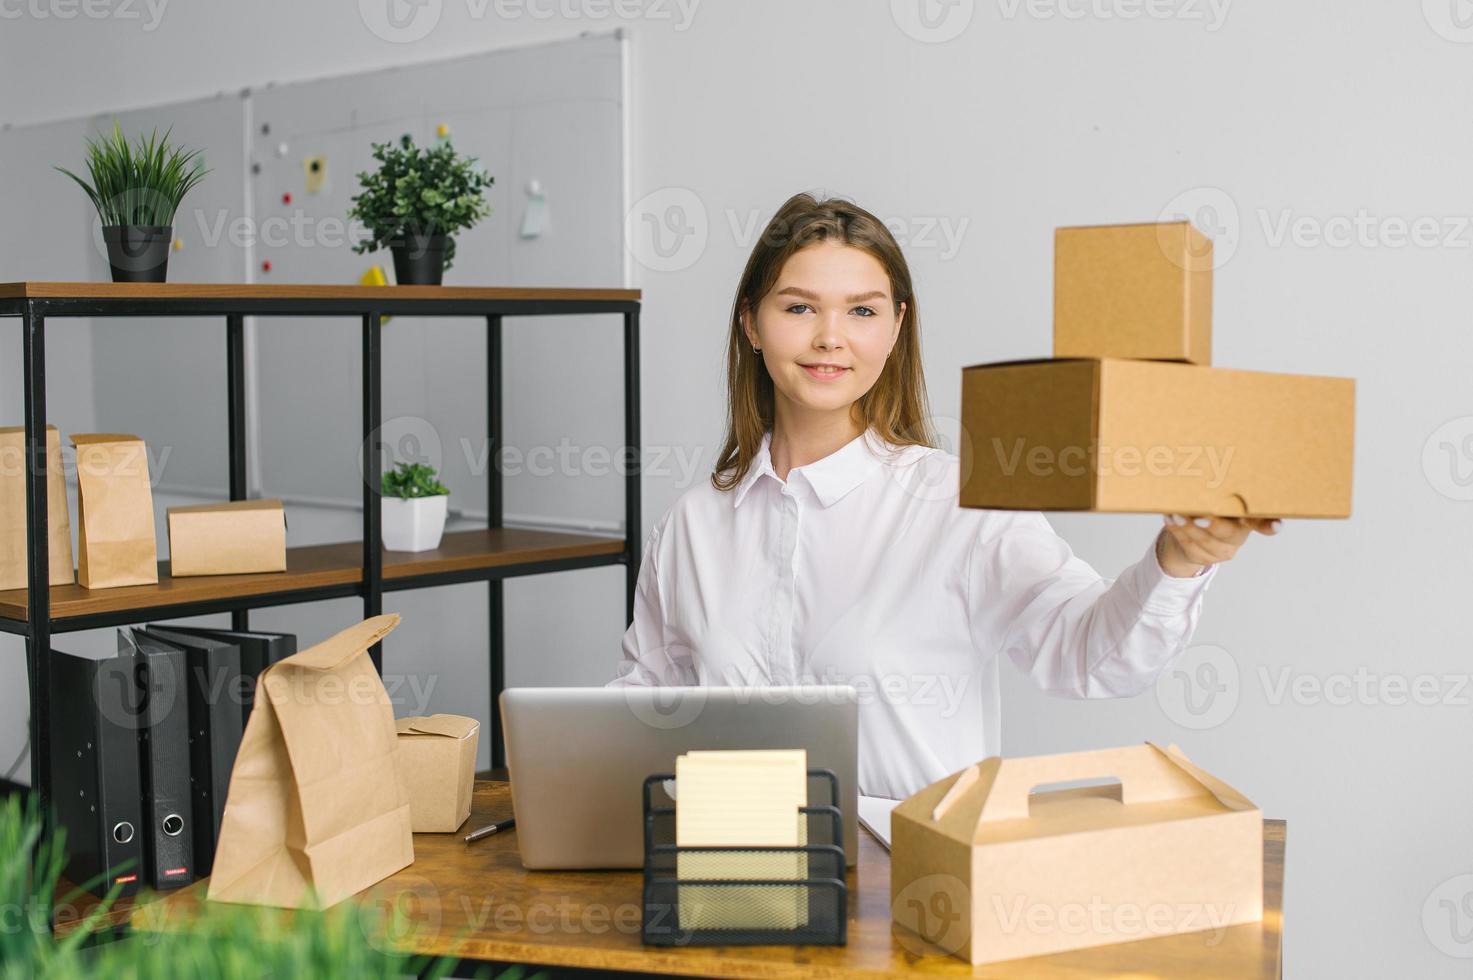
1163,593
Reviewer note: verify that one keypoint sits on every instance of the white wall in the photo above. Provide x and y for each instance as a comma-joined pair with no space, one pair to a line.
1352,116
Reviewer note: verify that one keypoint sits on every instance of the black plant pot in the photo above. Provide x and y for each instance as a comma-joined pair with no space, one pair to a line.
419,259
138,253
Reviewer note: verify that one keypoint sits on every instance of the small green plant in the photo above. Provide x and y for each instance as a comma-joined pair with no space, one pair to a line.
138,184
420,191
409,480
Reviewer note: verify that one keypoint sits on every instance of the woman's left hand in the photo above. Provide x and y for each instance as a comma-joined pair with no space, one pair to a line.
1190,543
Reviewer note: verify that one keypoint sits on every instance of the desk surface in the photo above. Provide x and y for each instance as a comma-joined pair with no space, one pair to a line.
476,901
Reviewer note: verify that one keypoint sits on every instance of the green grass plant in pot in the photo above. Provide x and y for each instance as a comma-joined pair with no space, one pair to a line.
414,507
415,202
136,189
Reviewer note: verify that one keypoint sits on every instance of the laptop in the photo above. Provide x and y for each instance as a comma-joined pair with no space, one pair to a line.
578,757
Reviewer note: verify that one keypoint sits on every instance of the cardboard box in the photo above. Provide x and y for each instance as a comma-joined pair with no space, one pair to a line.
13,567
1136,291
1153,437
232,538
985,870
437,767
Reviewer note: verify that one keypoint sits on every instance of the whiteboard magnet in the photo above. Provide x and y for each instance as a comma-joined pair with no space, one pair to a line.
314,170
281,149
178,244
534,220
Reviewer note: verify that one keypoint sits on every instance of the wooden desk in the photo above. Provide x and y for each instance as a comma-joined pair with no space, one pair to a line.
477,902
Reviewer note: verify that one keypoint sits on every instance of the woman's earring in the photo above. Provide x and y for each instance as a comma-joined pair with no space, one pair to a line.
756,350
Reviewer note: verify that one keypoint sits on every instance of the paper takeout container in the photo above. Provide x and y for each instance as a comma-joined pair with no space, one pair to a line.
1138,291
227,538
437,765
986,869
1155,437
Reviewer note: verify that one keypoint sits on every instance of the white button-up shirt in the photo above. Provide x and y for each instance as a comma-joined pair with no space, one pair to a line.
862,569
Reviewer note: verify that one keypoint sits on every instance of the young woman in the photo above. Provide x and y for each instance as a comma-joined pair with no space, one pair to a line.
829,547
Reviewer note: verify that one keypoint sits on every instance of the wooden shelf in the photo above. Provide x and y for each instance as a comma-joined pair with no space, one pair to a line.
324,567
258,291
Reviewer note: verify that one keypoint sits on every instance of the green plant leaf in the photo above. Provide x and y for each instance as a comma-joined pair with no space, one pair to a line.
141,183
419,189
410,480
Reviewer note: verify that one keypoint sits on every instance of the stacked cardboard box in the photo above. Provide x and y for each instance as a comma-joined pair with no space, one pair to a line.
1130,416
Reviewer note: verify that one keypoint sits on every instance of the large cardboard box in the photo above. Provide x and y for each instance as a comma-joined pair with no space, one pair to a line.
1137,291
986,870
437,768
232,538
1155,437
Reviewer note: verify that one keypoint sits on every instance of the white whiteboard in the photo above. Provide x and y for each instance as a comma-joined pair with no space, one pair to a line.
554,112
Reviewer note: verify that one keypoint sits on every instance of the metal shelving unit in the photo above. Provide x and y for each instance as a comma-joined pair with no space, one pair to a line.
322,571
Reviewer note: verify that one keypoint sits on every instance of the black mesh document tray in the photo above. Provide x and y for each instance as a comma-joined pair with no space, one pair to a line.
707,896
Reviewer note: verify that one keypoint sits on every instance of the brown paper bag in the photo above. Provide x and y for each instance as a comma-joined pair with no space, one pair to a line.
315,803
115,537
13,510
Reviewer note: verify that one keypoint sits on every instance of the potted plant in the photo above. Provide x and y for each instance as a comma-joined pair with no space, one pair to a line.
415,202
136,190
413,509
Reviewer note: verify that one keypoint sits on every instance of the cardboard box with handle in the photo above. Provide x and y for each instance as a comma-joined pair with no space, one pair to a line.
315,810
987,868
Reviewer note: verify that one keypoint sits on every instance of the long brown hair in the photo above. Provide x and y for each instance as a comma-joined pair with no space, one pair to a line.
895,407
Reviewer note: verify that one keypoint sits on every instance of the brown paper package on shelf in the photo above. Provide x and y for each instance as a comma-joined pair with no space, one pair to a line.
115,533
315,807
13,510
232,538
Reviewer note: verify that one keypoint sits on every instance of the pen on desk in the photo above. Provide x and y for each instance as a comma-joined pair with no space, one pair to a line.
488,830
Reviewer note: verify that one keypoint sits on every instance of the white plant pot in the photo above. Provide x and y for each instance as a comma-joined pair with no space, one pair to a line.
415,524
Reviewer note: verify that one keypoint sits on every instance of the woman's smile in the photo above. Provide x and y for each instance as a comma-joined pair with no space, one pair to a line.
825,372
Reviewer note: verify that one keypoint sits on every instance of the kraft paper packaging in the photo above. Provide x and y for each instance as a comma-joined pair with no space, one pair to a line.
234,538
974,857
437,756
115,533
315,810
13,510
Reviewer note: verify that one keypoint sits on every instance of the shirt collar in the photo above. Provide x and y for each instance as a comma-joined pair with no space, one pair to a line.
831,477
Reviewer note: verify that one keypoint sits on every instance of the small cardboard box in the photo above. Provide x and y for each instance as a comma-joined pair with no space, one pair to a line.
233,538
986,870
437,766
1138,291
1152,437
